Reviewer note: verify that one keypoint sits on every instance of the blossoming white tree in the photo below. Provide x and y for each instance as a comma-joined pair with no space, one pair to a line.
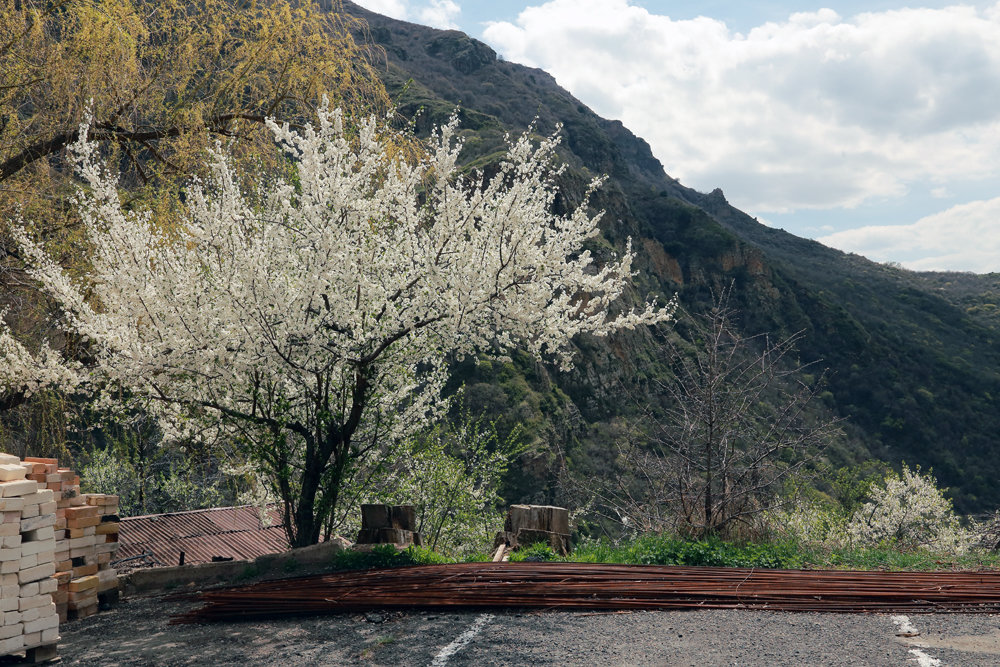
309,318
910,511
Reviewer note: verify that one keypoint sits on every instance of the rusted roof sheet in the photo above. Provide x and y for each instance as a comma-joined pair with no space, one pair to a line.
226,532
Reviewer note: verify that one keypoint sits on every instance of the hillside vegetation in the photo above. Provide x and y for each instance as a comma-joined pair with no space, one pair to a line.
913,360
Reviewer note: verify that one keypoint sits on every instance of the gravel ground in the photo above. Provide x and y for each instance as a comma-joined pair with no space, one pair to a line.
137,632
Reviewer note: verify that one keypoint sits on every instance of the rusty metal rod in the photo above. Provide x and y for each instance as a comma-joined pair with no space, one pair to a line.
603,586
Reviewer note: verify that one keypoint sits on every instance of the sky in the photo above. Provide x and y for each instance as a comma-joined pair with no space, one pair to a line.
873,127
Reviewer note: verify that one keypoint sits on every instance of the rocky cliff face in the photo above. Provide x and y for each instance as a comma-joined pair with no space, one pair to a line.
913,359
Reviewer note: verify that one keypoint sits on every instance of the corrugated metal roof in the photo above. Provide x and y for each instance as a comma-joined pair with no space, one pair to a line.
226,532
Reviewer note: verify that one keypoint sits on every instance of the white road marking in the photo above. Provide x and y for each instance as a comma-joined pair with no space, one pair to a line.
923,659
461,641
906,629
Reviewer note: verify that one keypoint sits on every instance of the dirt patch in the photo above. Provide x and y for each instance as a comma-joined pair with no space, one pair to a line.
987,643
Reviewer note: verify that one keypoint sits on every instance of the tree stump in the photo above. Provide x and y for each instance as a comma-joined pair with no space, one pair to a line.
388,524
531,524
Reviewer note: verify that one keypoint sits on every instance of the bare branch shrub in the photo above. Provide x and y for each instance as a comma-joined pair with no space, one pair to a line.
732,426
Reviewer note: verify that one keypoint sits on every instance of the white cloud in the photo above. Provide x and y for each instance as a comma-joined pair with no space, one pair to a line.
441,14
817,111
435,13
962,238
396,9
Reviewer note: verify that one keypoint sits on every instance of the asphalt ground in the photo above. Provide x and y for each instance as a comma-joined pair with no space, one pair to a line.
138,632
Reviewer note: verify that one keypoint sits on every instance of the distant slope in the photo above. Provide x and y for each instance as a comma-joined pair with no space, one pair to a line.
914,359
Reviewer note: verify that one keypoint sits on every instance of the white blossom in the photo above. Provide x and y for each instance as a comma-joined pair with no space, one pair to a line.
25,372
285,305
909,511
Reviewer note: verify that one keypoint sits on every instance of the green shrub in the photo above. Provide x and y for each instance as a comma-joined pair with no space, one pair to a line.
540,552
654,549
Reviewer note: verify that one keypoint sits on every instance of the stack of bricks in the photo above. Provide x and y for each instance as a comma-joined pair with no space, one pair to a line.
29,621
86,530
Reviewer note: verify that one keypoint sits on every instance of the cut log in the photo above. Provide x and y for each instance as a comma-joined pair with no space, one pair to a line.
538,517
388,536
388,524
403,517
531,524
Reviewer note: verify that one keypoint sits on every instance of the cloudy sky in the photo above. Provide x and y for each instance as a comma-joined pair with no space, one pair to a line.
873,127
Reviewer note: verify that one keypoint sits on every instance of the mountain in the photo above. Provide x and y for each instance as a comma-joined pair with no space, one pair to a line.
913,359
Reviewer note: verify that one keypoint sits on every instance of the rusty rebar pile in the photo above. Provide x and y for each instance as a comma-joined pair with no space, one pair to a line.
604,586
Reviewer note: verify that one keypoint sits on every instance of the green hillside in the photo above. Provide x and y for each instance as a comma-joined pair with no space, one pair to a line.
913,359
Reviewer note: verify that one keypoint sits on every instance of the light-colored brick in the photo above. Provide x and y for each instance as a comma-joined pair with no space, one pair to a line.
10,472
108,548
40,496
46,533
40,521
86,541
108,528
74,533
82,522
79,599
35,601
36,573
11,504
12,645
21,487
81,512
38,546
83,584
10,593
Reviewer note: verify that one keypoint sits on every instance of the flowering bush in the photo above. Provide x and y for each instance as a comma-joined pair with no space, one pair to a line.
909,511
809,522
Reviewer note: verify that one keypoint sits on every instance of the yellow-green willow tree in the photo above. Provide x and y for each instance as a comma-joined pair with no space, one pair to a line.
162,80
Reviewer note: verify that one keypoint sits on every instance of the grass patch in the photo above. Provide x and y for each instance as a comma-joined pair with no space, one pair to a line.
664,550
713,552
538,553
922,560
386,555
